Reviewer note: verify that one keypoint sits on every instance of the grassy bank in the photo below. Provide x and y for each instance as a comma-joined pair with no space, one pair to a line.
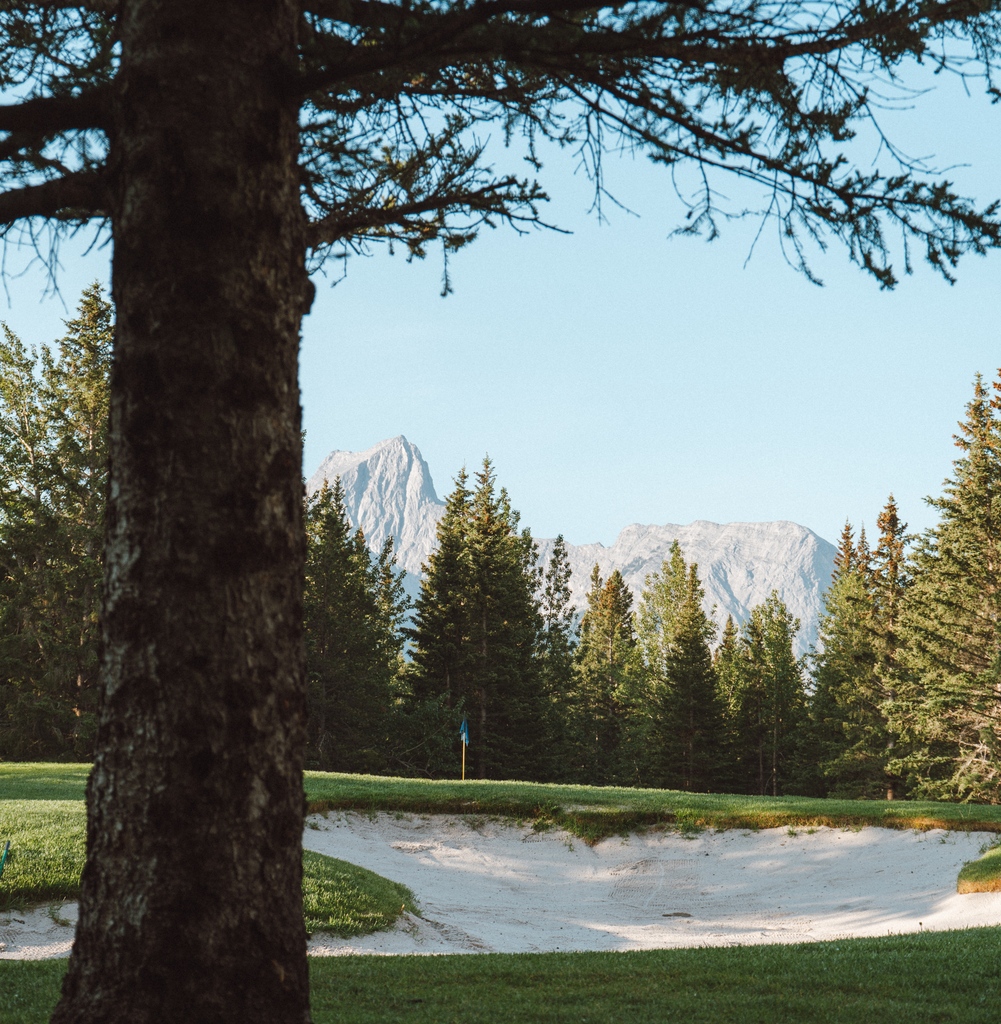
983,875
42,814
589,812
594,812
944,977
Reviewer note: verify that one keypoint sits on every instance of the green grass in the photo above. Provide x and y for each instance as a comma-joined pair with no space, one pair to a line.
945,978
983,875
39,781
589,812
346,900
594,812
42,814
46,851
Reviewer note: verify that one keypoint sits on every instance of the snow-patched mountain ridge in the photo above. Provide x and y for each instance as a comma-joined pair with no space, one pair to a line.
388,491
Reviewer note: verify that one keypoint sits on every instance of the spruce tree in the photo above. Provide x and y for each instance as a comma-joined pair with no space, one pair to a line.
606,668
557,643
948,705
675,634
891,580
727,669
852,741
353,607
440,631
846,698
476,632
770,699
53,461
508,705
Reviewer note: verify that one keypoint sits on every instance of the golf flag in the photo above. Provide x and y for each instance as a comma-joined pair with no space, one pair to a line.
464,736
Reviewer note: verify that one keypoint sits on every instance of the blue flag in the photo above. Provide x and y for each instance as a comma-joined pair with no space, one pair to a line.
464,732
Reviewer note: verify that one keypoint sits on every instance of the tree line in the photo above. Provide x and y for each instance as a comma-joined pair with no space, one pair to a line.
901,696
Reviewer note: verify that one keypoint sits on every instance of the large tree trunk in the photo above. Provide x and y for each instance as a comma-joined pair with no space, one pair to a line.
191,907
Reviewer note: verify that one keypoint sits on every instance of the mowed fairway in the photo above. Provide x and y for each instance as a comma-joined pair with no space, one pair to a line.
938,979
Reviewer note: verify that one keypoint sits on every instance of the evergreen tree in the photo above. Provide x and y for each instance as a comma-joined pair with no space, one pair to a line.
891,580
769,699
846,698
354,605
476,631
557,643
949,705
507,699
727,668
851,739
606,664
53,472
440,630
675,636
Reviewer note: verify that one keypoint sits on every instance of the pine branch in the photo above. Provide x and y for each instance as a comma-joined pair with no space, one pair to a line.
80,196
106,7
46,114
491,199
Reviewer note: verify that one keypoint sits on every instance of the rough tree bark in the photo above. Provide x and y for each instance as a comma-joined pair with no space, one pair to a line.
202,728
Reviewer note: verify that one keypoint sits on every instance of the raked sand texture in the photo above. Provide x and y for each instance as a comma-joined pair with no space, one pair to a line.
493,886
496,887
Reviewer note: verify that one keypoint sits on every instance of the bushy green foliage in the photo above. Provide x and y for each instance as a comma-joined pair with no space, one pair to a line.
949,705
767,700
604,748
679,695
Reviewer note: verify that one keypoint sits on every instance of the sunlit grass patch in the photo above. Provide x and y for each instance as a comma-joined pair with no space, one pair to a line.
594,812
40,781
983,875
48,839
47,842
346,900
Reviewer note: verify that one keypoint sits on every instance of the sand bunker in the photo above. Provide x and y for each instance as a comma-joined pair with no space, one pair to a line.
493,886
496,887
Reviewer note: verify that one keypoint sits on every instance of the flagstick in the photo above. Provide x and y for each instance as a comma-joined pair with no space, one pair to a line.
463,761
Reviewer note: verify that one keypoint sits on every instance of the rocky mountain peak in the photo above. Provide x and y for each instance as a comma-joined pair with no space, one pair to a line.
388,491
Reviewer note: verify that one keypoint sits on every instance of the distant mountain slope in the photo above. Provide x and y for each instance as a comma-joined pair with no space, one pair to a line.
388,491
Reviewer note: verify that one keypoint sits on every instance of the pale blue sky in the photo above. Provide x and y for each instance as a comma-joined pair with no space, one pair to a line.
616,375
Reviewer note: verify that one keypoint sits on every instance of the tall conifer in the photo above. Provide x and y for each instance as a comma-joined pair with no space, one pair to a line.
949,702
53,472
675,635
353,604
770,699
606,667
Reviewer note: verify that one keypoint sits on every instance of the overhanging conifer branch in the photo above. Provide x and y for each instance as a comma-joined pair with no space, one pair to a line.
77,197
45,114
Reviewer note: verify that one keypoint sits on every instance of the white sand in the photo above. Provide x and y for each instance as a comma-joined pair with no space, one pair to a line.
492,886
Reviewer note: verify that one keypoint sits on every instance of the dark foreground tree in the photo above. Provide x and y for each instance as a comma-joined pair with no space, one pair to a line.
227,143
